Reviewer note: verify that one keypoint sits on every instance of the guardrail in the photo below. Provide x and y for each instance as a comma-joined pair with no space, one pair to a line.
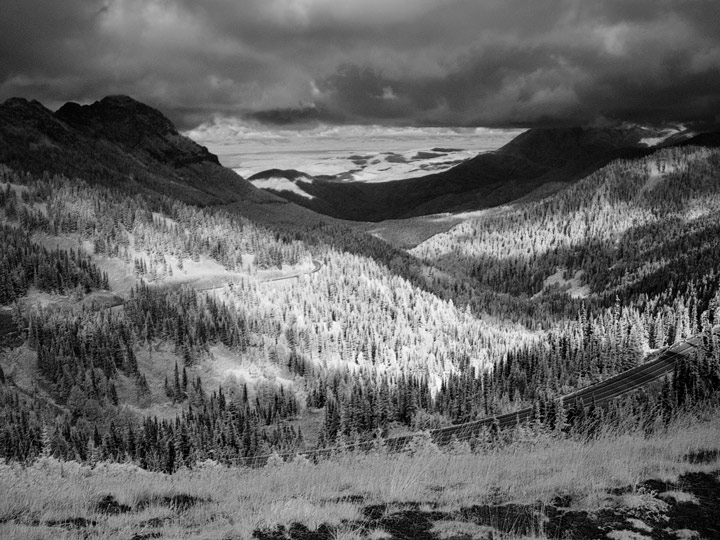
600,394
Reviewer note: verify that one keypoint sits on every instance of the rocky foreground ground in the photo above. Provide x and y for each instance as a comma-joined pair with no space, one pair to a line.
688,508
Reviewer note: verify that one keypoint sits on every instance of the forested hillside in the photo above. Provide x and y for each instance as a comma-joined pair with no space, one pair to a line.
116,141
353,329
138,327
537,158
615,226
635,230
355,341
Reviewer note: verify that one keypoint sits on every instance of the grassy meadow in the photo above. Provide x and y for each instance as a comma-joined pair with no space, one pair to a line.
65,500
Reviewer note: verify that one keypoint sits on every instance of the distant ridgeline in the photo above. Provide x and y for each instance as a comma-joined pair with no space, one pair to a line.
120,142
205,357
537,162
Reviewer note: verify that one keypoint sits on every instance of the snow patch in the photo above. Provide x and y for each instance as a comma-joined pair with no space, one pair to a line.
277,183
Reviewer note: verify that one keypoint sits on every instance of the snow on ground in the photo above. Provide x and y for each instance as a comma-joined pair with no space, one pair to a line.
277,183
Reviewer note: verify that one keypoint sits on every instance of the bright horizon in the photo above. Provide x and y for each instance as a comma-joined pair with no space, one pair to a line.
325,149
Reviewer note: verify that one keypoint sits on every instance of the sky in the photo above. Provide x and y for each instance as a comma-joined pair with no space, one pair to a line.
495,63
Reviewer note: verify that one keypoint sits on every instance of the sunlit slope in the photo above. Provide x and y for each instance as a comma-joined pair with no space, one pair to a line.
343,312
532,161
634,225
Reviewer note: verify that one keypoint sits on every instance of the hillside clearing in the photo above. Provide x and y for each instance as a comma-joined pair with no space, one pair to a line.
573,286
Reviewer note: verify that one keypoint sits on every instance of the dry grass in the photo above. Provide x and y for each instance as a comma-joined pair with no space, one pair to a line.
446,530
212,501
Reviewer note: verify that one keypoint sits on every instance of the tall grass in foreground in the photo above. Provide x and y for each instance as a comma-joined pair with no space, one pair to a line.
212,501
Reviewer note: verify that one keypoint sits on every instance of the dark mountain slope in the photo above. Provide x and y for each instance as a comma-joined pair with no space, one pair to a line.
708,140
121,142
534,159
289,174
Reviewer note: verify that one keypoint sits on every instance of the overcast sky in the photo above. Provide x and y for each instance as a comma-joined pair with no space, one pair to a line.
419,62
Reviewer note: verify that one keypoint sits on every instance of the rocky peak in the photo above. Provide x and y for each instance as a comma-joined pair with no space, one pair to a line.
119,141
118,118
26,117
19,104
135,127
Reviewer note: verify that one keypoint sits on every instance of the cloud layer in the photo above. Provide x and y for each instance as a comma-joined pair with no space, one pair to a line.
408,62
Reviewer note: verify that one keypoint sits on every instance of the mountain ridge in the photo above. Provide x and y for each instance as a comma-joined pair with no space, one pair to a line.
536,158
118,141
229,351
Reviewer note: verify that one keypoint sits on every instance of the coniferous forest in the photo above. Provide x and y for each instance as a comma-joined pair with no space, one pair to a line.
359,270
509,310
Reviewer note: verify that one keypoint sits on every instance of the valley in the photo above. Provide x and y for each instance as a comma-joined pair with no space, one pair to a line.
345,153
165,324
514,165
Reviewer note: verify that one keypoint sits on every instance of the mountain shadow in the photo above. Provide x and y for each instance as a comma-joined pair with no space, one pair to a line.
120,142
536,159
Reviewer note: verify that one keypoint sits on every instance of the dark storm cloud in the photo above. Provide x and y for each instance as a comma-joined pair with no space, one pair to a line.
490,62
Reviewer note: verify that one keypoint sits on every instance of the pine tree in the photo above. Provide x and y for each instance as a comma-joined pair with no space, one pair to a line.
561,423
113,395
177,391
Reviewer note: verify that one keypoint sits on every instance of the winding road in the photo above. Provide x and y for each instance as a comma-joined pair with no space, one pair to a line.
317,265
600,394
